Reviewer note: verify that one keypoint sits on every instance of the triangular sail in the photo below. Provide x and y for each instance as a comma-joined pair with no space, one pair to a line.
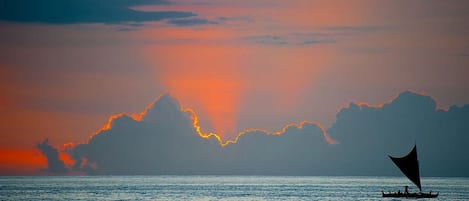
409,165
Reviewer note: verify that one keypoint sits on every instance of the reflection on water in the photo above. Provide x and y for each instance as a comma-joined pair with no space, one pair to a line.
221,188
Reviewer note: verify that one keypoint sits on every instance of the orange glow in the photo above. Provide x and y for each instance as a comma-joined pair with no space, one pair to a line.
361,104
105,127
217,97
195,123
68,161
256,66
110,120
207,135
21,161
381,105
108,125
14,161
281,132
364,104
205,75
214,78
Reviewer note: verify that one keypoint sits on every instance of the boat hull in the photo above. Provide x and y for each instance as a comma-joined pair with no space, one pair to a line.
409,195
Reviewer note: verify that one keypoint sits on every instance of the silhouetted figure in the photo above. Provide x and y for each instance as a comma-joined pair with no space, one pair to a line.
409,165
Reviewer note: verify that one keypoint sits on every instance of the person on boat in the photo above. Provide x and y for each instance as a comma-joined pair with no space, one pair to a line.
406,189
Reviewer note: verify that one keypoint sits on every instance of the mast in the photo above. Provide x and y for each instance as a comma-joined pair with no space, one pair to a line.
409,165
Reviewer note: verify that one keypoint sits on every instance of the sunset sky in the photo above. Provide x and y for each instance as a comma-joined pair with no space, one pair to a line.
67,66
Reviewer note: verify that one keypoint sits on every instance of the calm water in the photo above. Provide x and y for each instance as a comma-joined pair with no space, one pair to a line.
220,188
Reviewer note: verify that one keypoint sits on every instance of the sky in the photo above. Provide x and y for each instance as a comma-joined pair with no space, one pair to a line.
234,70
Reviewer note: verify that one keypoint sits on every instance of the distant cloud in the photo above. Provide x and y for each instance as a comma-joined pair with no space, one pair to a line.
323,35
83,11
311,42
267,39
165,139
191,22
54,164
238,18
355,28
296,39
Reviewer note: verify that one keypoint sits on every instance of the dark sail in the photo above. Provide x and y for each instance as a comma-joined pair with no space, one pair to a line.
409,165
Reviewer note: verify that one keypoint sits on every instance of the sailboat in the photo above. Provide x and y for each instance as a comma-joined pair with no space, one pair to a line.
409,165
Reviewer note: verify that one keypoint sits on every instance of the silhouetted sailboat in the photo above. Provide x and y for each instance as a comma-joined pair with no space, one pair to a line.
409,165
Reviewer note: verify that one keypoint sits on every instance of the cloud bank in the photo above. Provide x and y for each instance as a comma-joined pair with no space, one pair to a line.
165,139
368,133
84,11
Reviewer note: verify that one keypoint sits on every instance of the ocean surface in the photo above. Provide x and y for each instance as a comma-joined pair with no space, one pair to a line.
220,188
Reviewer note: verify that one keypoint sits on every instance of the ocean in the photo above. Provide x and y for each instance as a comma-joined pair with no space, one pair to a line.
220,188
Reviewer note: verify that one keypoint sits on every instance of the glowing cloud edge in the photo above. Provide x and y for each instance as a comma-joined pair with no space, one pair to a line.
207,135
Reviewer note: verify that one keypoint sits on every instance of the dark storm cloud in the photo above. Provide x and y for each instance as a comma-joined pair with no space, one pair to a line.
83,11
54,164
165,142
